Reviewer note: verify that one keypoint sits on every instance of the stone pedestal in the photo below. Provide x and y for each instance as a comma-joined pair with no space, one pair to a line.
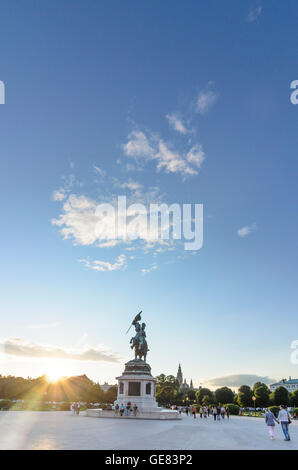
158,413
137,386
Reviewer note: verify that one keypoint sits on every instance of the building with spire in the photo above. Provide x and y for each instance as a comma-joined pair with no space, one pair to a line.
183,384
180,376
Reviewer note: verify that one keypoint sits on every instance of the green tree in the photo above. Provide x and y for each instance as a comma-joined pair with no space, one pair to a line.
224,395
165,395
294,398
161,379
245,394
207,400
256,385
261,392
281,396
111,394
167,388
201,393
191,394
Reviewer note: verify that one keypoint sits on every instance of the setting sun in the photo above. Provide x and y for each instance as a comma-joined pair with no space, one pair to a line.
55,373
53,377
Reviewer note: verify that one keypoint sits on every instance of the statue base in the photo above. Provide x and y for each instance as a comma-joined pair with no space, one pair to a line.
137,386
159,413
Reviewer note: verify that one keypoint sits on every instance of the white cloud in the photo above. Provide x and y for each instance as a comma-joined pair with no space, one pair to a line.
236,380
196,155
254,13
78,220
59,194
168,159
109,244
171,161
20,347
138,145
244,231
177,124
132,185
205,100
182,158
151,268
99,265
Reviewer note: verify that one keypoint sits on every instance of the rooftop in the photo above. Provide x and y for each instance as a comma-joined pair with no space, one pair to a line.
284,381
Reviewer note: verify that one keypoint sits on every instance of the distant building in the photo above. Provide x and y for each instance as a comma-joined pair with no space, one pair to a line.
291,385
183,384
105,386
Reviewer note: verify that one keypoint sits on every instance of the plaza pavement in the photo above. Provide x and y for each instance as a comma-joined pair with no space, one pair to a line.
61,430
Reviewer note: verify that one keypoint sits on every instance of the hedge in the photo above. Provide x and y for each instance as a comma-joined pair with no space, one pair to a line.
234,409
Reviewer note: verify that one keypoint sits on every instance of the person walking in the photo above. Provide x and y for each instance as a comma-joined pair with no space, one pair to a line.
285,420
228,412
201,412
214,412
222,412
135,409
122,409
78,408
116,409
218,414
269,420
194,412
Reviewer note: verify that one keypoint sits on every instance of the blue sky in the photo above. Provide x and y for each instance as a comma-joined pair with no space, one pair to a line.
88,86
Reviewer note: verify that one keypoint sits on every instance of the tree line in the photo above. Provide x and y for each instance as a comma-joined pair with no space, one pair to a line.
78,388
168,392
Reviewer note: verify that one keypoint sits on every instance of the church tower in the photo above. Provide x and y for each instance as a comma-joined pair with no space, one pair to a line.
191,384
179,376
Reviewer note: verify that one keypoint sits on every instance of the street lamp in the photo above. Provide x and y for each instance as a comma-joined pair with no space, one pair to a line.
254,400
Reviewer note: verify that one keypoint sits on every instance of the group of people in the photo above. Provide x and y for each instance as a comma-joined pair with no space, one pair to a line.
75,408
126,410
205,411
283,419
220,413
